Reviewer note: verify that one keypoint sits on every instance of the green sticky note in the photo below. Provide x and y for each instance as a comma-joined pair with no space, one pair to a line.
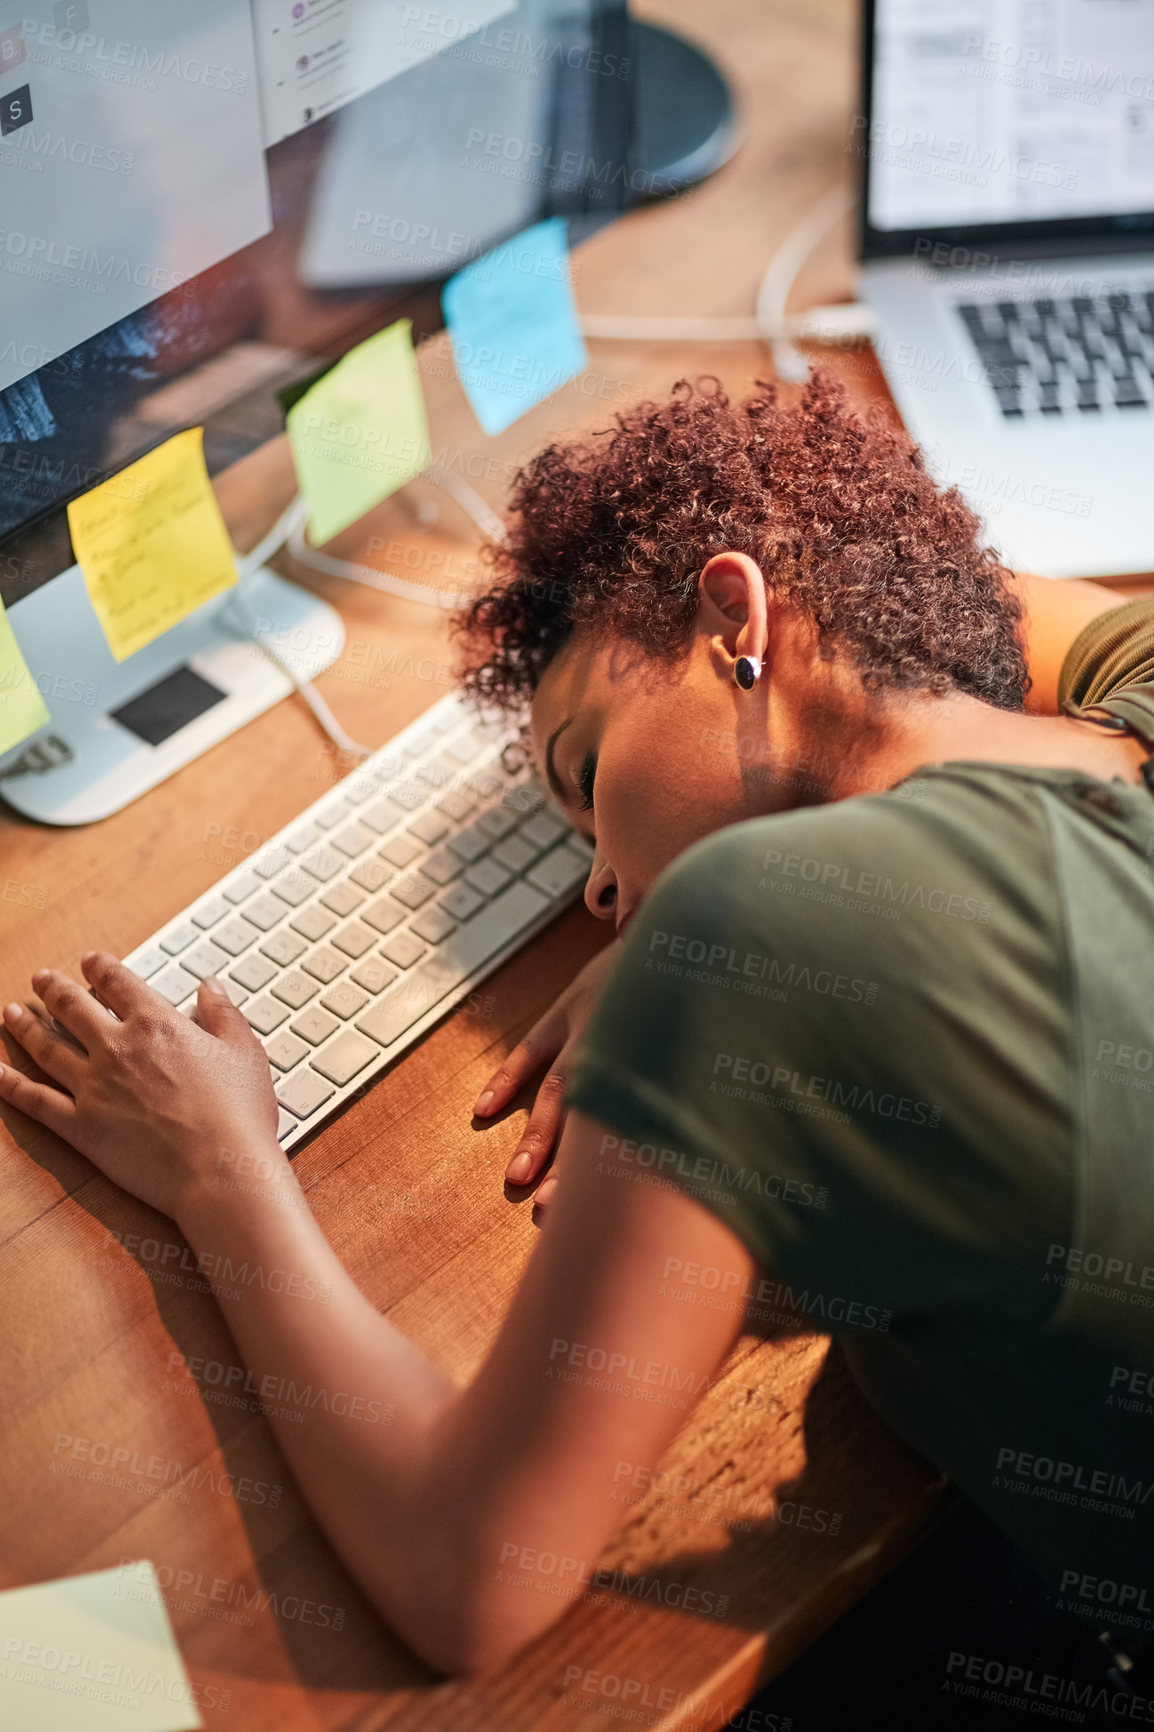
360,432
22,709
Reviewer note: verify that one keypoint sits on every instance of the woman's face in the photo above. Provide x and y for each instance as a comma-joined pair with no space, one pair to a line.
647,757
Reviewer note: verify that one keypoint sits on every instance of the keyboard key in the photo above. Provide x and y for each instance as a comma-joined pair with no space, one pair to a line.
354,838
148,963
514,854
435,774
371,875
455,805
315,1025
460,956
265,911
283,947
433,924
216,908
354,939
414,890
343,1057
304,1092
373,974
284,1123
293,887
253,973
174,983
461,902
465,749
323,862
325,964
295,989
401,851
241,888
179,938
543,830
204,958
383,914
382,815
530,797
343,897
304,836
268,865
403,949
345,1000
469,845
312,923
559,871
285,1050
442,866
487,876
234,992
334,812
497,822
430,828
265,1013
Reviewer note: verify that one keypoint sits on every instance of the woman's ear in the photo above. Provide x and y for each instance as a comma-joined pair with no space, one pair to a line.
733,607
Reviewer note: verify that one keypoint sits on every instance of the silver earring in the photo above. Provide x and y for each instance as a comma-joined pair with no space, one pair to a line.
746,672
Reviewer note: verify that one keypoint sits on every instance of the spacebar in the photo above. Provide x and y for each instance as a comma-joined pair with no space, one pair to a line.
455,960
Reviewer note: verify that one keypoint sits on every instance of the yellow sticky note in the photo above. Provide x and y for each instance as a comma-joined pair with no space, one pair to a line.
152,544
361,432
22,709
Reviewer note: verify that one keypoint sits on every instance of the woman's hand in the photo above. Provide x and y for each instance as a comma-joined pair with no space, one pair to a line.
552,1041
161,1105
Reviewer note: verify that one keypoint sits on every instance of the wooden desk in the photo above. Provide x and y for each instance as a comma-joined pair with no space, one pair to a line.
786,1499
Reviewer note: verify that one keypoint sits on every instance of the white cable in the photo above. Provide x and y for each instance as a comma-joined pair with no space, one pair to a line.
781,274
303,550
770,321
840,321
295,512
307,690
469,500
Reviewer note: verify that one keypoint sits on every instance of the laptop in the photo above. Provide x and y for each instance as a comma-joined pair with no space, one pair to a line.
1007,249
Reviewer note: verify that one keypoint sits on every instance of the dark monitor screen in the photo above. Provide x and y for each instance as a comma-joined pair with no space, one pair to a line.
374,198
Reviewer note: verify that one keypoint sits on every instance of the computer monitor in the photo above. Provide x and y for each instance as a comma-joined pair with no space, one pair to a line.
252,190
1028,127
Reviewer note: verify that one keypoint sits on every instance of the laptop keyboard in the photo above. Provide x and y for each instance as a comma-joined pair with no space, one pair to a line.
377,909
1086,355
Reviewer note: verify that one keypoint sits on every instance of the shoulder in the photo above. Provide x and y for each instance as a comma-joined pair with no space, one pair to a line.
952,850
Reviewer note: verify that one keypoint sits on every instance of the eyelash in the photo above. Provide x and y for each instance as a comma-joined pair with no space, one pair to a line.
585,781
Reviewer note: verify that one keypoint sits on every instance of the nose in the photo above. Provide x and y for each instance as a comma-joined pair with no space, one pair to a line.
601,890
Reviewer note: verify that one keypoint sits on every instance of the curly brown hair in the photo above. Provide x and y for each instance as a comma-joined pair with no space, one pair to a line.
612,531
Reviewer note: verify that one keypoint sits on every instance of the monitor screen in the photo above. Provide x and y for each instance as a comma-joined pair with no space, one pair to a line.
203,204
988,112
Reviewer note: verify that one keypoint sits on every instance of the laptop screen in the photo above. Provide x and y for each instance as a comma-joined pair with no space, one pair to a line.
986,113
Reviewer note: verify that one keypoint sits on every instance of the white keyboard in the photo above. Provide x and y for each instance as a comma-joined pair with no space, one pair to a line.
376,910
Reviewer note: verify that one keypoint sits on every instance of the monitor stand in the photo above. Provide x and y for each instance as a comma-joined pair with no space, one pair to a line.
119,728
686,120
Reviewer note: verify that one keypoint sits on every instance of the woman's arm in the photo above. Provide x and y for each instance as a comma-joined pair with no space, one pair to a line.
471,1517
1055,612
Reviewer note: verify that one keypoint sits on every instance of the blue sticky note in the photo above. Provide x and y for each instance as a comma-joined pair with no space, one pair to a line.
512,321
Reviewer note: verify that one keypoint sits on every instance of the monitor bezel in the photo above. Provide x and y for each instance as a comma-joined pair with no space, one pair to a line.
954,245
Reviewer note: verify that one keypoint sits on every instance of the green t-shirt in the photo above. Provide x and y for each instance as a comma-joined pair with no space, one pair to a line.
903,1045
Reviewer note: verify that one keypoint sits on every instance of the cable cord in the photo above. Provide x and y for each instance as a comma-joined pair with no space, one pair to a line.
770,323
290,529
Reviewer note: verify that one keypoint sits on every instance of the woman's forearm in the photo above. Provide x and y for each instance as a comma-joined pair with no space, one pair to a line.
354,1404
1055,613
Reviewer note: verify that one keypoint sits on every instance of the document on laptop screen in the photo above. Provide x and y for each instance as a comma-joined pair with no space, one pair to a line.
988,111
